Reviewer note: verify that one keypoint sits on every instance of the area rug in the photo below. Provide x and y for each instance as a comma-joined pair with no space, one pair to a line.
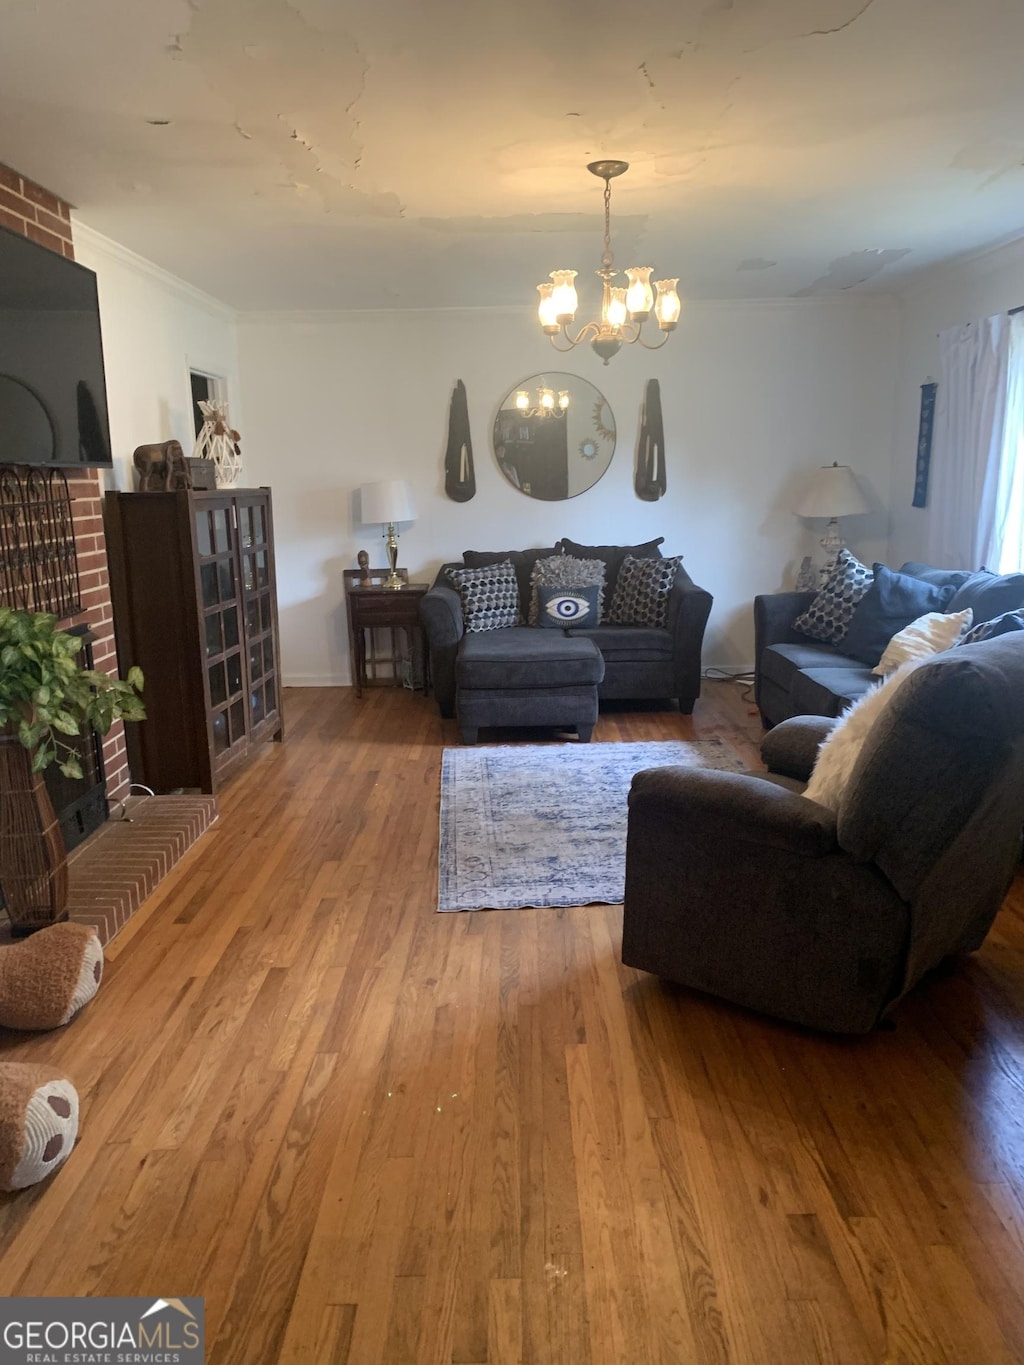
545,824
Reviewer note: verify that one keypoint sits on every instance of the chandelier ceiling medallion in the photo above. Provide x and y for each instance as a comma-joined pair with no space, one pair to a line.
624,309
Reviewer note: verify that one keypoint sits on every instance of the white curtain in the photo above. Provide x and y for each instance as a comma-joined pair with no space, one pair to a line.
970,426
1006,553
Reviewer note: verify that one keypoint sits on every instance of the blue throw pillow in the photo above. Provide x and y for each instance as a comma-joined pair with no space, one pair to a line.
999,625
940,578
561,607
989,594
891,603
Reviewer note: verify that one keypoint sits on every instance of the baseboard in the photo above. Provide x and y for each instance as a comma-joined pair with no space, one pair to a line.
314,680
730,670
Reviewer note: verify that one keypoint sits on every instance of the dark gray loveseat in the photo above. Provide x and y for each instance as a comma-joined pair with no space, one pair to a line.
798,676
638,662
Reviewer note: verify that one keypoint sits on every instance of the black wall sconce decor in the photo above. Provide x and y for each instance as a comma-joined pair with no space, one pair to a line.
459,477
650,480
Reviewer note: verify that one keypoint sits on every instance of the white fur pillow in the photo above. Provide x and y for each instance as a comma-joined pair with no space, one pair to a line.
840,751
929,634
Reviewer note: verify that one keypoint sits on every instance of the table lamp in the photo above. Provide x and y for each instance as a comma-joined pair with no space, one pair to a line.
388,501
833,492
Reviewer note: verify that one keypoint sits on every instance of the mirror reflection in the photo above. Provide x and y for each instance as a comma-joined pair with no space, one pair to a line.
554,436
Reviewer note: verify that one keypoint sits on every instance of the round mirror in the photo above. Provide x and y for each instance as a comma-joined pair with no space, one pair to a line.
554,436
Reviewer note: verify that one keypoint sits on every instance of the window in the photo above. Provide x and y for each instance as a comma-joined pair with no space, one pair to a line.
204,387
1009,515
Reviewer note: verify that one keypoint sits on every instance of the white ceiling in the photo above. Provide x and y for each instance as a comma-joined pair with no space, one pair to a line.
416,153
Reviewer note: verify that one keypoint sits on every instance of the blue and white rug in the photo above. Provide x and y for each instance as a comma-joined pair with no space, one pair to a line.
545,824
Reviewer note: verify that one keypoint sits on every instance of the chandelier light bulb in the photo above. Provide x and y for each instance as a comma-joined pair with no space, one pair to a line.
563,399
522,400
546,311
547,399
617,308
639,295
667,308
565,297
624,310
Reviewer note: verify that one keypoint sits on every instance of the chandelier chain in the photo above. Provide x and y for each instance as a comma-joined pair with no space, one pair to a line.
606,259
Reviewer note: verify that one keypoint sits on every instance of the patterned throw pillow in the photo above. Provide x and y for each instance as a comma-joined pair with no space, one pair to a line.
490,596
566,572
642,589
999,625
829,615
561,607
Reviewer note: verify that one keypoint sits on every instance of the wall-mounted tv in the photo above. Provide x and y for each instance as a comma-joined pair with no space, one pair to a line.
53,399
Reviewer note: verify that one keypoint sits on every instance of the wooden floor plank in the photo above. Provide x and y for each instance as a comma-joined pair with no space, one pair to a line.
370,1134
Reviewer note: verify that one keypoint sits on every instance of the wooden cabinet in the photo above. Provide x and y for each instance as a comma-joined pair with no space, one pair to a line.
195,606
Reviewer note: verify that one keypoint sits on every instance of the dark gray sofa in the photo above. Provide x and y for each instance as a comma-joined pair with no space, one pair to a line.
640,663
797,676
739,886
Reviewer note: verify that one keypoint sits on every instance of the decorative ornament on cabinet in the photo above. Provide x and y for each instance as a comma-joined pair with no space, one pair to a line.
217,441
459,477
650,480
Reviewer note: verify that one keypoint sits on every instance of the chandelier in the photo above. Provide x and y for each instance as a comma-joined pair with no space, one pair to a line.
548,404
624,310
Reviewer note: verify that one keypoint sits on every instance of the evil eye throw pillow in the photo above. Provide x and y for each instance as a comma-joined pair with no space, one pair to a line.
558,608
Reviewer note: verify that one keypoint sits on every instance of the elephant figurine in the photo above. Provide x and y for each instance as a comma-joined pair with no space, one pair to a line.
162,467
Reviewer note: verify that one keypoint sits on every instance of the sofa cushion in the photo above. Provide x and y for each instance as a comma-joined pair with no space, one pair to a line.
521,560
642,643
999,625
781,663
561,607
990,594
566,572
613,555
892,602
825,691
490,597
829,615
642,589
941,578
523,656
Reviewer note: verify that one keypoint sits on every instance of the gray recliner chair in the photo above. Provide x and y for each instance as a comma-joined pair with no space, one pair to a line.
739,886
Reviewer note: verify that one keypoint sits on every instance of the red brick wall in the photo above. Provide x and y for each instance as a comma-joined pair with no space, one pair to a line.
36,213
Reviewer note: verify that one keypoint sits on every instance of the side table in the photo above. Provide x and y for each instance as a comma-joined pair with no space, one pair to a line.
378,608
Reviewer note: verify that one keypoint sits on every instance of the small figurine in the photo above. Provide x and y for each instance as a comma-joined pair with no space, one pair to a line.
363,560
161,467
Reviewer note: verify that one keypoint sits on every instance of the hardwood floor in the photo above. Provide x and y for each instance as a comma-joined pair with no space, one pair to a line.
366,1132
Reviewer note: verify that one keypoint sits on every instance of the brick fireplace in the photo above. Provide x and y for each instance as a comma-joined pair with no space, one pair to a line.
113,872
44,218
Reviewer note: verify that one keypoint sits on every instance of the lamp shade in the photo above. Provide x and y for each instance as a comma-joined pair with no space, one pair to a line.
833,491
387,500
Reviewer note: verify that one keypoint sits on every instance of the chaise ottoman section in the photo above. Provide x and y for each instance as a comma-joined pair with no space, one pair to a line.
524,676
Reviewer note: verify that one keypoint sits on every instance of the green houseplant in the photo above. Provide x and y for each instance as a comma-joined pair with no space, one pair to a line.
45,697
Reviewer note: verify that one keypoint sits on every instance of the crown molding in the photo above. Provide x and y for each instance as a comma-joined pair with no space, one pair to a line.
96,242
995,256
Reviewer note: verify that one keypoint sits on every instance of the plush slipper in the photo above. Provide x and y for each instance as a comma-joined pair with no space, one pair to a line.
46,979
38,1123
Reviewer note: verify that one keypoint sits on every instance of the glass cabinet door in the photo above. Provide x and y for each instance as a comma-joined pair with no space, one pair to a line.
256,560
221,605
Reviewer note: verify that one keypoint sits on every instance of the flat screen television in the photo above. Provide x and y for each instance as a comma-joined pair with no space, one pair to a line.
53,398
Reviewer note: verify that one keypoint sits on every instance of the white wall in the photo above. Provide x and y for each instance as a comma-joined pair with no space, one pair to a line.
945,297
754,396
155,327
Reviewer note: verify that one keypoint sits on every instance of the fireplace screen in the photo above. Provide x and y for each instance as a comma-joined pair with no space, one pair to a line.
38,560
